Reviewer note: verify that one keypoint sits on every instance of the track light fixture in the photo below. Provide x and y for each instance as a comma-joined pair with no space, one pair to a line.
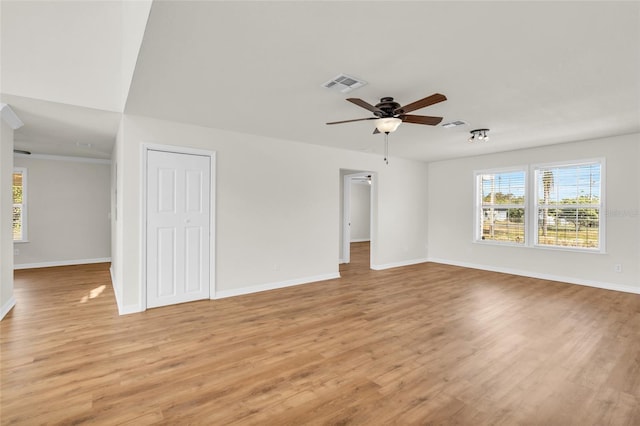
479,135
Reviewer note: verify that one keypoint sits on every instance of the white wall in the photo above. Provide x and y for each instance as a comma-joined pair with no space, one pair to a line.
272,226
400,214
6,222
360,211
451,210
68,212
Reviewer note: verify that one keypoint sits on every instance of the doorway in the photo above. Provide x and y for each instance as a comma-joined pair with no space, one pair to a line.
357,213
178,227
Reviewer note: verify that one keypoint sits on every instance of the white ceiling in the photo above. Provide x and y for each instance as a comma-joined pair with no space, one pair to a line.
61,129
66,70
535,73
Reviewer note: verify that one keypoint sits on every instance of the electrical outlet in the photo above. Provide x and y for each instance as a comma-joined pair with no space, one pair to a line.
16,252
617,267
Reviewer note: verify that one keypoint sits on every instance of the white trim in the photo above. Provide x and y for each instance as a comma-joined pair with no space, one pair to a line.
360,240
398,264
549,277
340,261
115,290
568,248
131,309
10,117
146,147
274,286
61,263
64,158
346,219
122,310
9,304
346,214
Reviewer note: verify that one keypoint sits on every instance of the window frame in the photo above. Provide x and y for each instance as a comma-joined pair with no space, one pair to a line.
535,169
478,206
23,205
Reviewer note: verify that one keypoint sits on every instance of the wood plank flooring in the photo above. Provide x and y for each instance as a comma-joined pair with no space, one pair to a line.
423,344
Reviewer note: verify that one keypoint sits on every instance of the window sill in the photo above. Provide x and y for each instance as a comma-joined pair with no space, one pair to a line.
569,249
539,247
20,241
499,243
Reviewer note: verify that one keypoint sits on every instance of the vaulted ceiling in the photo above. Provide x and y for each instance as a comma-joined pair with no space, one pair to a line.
535,73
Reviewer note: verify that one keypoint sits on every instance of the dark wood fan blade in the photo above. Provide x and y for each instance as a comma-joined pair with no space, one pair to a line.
425,102
350,121
420,119
364,104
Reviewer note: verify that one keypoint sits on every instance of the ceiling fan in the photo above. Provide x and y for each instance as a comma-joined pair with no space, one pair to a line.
389,114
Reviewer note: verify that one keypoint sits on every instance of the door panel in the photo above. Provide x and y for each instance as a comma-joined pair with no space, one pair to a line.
166,282
193,246
194,194
167,188
178,227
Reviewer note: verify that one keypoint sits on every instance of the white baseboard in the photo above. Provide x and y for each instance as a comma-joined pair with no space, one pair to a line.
220,294
130,309
122,310
398,264
61,263
115,290
360,240
9,304
549,277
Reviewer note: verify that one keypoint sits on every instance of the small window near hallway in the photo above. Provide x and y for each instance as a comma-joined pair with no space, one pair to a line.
501,207
19,204
569,199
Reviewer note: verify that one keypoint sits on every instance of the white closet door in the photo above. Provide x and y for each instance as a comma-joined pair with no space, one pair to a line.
178,222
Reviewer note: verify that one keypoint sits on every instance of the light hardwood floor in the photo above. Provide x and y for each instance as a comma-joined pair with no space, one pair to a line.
424,344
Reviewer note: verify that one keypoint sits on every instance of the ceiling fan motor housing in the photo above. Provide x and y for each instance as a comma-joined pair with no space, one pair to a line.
387,108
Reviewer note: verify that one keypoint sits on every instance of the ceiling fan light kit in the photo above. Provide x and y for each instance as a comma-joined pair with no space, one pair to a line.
389,114
479,135
387,125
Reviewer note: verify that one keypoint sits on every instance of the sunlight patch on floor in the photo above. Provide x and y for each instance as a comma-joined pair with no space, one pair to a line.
93,294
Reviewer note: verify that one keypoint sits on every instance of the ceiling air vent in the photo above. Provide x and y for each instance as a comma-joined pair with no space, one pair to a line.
454,124
343,83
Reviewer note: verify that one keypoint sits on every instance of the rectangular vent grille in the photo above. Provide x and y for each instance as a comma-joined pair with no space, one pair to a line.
454,124
344,83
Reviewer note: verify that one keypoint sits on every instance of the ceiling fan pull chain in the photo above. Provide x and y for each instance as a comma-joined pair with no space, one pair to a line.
386,148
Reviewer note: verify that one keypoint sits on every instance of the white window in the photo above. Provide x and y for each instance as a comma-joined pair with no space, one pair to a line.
19,204
568,205
501,206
